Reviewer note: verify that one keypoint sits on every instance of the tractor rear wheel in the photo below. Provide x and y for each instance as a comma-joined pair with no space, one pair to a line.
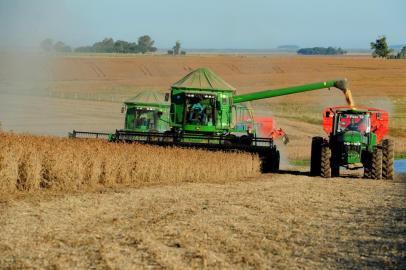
315,169
325,164
376,164
388,157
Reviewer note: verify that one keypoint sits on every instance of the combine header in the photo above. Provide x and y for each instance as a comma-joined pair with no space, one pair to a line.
206,113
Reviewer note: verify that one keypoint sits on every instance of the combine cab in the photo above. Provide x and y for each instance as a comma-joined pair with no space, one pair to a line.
356,140
148,111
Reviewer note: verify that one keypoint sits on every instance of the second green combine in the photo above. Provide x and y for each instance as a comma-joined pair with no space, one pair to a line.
203,111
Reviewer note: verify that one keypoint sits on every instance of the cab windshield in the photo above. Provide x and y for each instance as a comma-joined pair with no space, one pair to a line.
354,122
144,118
243,118
200,109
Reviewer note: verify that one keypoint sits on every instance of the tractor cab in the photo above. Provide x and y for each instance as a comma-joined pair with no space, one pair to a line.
353,122
351,135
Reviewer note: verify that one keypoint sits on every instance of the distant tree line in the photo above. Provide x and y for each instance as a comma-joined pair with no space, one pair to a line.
321,51
176,49
402,53
380,48
108,45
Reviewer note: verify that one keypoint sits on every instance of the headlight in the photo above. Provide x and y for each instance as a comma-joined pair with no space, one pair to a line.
349,143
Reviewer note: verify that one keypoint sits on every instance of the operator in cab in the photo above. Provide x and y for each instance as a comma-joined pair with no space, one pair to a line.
197,112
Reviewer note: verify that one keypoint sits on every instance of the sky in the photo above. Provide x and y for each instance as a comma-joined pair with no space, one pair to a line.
209,24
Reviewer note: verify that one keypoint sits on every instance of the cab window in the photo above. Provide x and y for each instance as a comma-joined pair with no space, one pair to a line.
200,109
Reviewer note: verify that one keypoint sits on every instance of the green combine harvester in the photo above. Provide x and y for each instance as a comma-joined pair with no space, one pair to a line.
206,113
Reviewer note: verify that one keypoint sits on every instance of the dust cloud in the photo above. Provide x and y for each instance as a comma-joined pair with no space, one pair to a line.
383,103
23,78
28,105
28,77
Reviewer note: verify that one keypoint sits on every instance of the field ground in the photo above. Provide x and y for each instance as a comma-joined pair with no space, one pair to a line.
280,221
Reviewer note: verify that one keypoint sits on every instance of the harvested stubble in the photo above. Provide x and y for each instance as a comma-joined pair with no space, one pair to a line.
31,163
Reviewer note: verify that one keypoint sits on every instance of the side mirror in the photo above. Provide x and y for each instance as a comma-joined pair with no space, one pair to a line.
122,109
167,96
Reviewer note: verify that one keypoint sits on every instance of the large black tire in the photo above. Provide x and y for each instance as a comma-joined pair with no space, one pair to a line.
230,139
325,164
315,157
245,140
335,170
276,161
388,158
270,161
376,164
367,172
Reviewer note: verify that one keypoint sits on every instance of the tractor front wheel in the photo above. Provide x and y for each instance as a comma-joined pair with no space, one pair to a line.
325,164
388,157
